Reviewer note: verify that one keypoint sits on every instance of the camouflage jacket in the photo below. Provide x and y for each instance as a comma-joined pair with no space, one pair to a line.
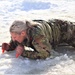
44,36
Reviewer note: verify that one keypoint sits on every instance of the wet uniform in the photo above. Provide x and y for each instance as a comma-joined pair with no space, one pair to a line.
46,35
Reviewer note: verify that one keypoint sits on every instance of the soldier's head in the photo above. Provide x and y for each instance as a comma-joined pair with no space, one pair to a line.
18,30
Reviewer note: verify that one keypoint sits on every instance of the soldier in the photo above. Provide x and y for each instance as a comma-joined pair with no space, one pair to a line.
40,35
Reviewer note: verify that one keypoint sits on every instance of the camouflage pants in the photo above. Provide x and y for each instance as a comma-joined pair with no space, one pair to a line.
63,31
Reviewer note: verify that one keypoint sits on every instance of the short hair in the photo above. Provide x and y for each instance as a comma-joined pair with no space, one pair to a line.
18,26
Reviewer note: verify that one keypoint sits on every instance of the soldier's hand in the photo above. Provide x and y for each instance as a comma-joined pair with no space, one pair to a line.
5,46
19,50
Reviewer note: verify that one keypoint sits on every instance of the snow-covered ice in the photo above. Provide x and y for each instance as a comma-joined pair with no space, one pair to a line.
61,62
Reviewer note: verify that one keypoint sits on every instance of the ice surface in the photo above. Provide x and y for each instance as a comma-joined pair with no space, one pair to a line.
61,62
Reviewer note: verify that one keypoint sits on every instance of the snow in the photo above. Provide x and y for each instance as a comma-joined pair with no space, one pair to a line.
61,62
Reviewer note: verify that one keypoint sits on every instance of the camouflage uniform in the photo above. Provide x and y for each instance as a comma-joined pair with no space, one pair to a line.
44,36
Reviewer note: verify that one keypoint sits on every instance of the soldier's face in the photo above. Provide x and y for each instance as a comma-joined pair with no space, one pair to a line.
18,37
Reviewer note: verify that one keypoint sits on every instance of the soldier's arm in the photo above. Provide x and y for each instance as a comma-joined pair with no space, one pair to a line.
41,44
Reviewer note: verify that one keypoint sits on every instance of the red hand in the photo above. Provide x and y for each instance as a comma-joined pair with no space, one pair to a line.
5,46
3,50
19,50
17,55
